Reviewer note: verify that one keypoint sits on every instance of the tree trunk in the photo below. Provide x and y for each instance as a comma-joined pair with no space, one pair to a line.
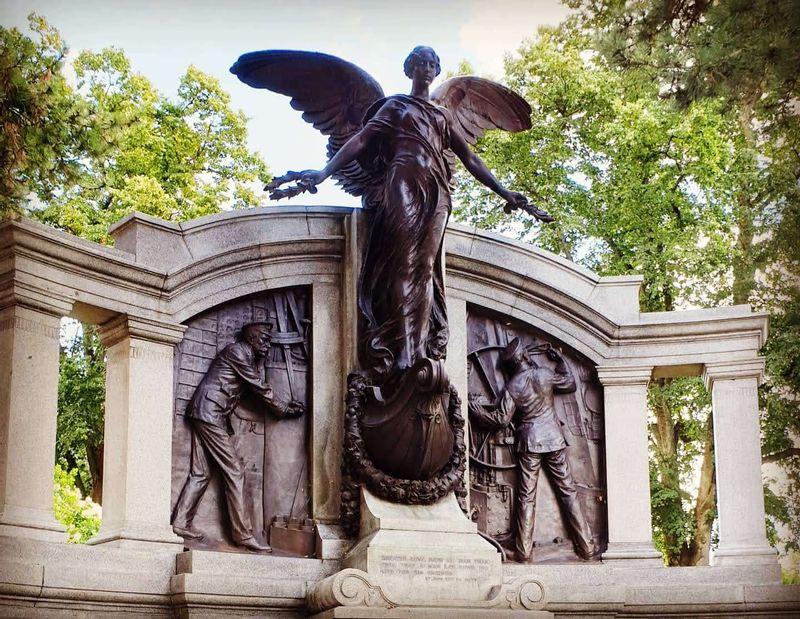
744,264
744,211
94,454
72,465
666,446
696,553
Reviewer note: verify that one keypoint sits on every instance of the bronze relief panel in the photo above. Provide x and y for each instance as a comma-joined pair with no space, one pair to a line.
537,470
240,479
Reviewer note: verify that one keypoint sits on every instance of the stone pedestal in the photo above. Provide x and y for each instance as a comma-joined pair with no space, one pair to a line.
28,399
138,434
419,553
630,535
422,561
737,452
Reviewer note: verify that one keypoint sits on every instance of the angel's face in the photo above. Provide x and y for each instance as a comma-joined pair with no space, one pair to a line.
425,68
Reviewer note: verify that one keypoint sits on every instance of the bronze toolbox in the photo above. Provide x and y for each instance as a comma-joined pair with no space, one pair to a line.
293,535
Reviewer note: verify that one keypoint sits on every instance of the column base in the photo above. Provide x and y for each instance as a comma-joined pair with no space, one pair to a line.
639,553
138,536
756,554
30,523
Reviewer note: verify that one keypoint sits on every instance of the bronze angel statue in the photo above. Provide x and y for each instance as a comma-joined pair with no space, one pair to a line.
396,153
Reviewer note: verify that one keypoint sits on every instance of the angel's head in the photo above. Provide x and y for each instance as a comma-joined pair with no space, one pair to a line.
421,55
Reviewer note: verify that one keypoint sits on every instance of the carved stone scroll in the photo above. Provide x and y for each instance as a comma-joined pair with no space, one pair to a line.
349,587
355,588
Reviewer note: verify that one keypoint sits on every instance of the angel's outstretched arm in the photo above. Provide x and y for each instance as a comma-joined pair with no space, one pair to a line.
478,169
347,153
307,180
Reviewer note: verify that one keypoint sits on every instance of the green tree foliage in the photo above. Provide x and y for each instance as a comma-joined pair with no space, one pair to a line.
635,185
175,160
40,114
80,516
733,49
682,480
111,144
743,54
81,402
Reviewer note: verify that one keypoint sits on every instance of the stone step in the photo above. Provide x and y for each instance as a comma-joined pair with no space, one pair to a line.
235,565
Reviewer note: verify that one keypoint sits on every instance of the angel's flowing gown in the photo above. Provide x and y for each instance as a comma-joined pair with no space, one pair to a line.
401,292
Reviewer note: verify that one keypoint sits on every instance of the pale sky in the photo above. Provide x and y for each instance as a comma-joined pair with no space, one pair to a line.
162,39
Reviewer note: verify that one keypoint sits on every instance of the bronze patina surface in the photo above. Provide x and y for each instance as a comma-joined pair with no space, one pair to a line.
396,153
240,436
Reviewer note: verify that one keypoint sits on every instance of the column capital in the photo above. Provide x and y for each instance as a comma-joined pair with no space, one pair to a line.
16,293
624,375
124,325
731,370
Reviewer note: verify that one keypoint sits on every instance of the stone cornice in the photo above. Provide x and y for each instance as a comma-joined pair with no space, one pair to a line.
51,269
624,375
120,327
237,253
33,297
173,247
729,322
732,370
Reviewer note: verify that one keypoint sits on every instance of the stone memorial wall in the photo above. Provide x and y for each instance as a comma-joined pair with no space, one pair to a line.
169,299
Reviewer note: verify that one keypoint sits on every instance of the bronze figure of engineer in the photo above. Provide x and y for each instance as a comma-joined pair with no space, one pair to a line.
237,367
538,442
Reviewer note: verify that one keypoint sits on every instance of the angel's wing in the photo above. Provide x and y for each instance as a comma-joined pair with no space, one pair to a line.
333,95
478,104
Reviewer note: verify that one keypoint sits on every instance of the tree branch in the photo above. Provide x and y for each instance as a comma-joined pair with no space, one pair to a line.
780,455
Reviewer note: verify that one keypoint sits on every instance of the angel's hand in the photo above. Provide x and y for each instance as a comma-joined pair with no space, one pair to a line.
311,178
307,180
516,200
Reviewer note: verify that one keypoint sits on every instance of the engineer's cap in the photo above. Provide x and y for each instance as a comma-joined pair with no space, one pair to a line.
510,351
